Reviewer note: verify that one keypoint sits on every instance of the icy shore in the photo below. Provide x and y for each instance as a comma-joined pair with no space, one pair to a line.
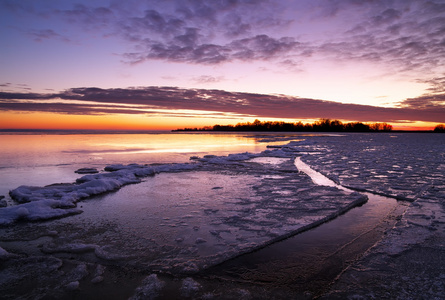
409,262
217,207
252,200
280,201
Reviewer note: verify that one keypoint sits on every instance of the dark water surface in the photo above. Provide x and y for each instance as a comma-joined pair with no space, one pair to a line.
306,264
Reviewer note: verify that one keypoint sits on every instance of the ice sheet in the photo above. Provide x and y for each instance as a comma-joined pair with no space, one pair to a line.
189,216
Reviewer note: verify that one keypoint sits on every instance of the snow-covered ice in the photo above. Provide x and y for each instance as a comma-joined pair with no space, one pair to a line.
150,288
189,221
399,165
189,287
59,200
408,262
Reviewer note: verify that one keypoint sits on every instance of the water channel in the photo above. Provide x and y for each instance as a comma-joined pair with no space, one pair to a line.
306,264
299,267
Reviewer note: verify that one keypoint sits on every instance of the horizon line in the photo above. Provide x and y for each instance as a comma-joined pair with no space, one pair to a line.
117,131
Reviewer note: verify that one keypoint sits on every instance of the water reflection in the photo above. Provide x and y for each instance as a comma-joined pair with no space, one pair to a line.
51,158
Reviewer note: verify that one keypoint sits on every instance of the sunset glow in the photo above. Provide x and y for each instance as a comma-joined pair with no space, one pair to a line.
150,65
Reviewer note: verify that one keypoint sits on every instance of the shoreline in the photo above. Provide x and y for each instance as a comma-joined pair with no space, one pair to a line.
113,131
399,234
172,280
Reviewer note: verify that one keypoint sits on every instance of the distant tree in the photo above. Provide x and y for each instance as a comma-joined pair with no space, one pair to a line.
223,128
308,127
375,126
328,125
386,127
337,125
357,126
439,128
380,127
325,125
322,125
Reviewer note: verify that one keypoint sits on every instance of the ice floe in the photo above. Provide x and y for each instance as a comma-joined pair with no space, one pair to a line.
54,198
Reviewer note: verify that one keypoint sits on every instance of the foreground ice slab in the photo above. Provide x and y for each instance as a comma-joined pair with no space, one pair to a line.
189,216
59,200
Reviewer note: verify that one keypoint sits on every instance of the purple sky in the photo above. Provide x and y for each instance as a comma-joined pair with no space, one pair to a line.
347,59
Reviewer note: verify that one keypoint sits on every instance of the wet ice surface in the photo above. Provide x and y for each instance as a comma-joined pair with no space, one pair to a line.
408,263
180,219
400,165
183,222
406,166
183,218
42,159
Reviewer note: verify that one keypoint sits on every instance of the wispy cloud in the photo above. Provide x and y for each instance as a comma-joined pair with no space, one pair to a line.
91,18
46,34
150,100
204,79
437,84
433,99
427,101
409,39
9,87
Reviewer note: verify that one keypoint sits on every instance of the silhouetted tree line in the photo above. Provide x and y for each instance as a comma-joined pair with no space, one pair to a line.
439,128
322,125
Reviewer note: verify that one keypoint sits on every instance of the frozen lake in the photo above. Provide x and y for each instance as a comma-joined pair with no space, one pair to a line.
42,159
172,215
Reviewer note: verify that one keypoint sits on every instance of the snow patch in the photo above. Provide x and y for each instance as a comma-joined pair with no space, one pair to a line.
150,288
35,211
72,286
189,287
3,202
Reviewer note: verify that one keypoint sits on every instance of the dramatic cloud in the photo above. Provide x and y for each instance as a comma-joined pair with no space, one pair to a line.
408,35
290,44
150,100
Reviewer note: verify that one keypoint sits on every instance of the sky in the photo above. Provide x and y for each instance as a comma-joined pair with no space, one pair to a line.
191,63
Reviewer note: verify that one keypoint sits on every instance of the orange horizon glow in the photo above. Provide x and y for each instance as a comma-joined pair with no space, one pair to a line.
54,121
84,122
